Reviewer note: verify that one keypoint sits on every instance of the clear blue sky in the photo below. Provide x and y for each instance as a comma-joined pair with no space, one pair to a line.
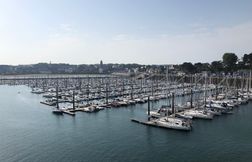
123,31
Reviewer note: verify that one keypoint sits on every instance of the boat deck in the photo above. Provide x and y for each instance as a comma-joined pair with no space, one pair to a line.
153,124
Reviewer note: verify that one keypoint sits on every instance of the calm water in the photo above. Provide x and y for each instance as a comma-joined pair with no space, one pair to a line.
30,132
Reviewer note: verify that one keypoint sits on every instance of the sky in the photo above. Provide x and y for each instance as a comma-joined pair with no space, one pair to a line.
123,31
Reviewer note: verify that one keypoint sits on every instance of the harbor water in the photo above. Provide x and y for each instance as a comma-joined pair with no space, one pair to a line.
29,132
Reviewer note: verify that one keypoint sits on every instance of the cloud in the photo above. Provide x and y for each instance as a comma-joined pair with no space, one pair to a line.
66,27
63,45
122,37
62,30
204,46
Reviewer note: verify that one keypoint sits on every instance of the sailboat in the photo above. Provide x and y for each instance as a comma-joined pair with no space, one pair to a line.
174,122
56,110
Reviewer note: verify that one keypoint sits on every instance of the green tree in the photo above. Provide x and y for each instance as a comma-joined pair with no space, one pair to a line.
241,65
247,60
216,66
229,61
198,67
188,67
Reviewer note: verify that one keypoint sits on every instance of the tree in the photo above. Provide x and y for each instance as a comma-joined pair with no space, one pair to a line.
241,65
229,61
247,60
198,67
216,66
188,67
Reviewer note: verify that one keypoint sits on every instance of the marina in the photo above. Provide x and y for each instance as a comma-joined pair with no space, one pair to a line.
186,97
125,81
112,135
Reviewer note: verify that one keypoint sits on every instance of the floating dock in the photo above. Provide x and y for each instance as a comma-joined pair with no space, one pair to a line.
68,112
47,103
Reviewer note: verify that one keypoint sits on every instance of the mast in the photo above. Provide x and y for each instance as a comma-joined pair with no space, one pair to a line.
73,100
242,82
191,101
106,93
167,86
216,91
57,95
152,88
167,71
148,108
250,80
172,105
236,86
247,84
205,93
131,90
88,90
